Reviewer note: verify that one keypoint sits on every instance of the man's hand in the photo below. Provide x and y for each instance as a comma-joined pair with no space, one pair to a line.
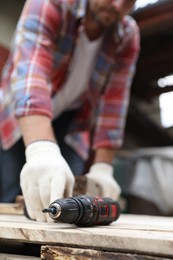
102,174
44,178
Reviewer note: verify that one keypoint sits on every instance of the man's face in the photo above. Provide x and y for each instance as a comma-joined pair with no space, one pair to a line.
107,12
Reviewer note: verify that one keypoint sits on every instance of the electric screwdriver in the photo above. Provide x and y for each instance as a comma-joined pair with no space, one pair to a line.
84,211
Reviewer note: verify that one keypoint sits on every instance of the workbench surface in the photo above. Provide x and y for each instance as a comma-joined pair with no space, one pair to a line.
130,233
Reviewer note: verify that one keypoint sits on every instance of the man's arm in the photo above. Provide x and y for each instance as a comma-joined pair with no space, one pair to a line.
46,175
36,127
105,155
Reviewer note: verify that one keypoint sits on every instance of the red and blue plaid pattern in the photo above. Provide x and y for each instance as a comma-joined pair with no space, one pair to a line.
39,64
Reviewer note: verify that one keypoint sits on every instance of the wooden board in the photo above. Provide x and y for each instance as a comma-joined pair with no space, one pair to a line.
11,208
66,253
17,257
147,235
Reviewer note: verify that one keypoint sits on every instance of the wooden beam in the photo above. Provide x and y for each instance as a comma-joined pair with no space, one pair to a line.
154,18
68,253
154,62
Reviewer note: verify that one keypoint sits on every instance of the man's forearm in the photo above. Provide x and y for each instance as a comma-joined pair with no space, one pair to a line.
104,155
36,127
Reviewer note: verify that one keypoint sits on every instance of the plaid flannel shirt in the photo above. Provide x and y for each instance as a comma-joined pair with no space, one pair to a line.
38,65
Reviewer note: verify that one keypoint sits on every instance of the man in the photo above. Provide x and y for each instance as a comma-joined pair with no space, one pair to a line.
68,75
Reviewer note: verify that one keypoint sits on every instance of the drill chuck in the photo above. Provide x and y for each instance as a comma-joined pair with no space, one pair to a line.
54,211
84,210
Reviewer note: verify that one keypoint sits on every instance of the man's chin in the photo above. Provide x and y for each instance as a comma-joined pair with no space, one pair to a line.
106,24
103,23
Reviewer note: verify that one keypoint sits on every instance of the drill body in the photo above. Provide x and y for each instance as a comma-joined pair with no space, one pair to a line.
84,210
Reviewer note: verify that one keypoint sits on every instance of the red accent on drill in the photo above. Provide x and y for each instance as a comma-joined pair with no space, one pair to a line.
84,210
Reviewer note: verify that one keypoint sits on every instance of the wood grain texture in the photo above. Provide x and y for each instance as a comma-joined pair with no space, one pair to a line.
66,253
17,257
131,233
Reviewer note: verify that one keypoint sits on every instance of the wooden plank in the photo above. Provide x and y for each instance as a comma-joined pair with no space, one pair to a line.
11,208
131,233
17,257
66,253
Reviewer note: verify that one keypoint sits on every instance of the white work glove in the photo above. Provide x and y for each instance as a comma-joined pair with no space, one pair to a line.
102,175
44,178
